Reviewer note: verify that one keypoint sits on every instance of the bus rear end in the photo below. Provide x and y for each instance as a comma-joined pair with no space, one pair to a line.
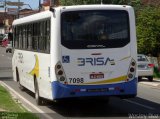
98,52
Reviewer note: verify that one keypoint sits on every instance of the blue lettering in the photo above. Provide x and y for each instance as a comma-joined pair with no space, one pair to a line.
89,60
81,61
100,61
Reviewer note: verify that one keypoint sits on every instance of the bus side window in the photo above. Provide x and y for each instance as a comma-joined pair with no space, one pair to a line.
25,37
41,37
35,36
30,36
16,38
20,37
48,35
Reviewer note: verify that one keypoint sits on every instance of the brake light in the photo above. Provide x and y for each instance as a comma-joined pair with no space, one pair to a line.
132,70
61,77
150,65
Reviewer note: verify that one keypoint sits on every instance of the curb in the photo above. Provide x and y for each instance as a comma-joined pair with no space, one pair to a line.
155,83
156,79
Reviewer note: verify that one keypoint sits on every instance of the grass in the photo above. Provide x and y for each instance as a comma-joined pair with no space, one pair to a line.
156,73
12,109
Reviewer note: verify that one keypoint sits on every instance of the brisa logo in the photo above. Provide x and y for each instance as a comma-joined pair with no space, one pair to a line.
100,61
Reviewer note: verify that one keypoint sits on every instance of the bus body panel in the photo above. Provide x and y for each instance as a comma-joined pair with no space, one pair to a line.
113,63
133,40
110,63
34,64
25,61
123,90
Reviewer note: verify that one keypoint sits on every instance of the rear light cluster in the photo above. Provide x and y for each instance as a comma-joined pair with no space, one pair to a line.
150,65
60,73
132,70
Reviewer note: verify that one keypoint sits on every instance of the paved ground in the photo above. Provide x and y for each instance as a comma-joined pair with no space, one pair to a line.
155,83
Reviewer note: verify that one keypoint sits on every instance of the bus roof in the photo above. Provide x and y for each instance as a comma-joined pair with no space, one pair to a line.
100,6
34,17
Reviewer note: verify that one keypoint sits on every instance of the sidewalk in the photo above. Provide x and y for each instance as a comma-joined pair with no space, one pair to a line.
154,83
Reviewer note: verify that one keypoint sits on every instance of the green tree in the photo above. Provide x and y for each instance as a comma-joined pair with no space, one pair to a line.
116,1
77,2
148,30
81,2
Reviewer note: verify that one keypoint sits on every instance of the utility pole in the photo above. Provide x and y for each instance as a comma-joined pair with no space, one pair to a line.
52,3
18,8
101,2
4,16
39,5
5,6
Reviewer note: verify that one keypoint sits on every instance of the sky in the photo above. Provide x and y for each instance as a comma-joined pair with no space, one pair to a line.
33,3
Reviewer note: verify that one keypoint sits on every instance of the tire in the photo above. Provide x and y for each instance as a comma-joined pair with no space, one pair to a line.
18,80
139,79
150,78
37,97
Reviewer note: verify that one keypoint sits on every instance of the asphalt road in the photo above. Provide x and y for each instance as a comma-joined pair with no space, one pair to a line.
145,106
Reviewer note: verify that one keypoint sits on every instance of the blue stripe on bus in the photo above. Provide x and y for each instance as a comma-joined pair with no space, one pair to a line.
68,91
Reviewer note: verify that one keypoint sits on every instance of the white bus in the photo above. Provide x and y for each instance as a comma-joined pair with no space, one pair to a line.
77,51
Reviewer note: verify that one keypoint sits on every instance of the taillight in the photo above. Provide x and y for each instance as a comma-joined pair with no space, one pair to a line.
60,74
132,70
150,65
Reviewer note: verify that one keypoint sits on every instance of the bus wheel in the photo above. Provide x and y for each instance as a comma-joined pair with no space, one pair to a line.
18,80
150,78
37,97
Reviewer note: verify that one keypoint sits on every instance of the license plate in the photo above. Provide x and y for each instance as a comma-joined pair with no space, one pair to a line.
97,76
141,66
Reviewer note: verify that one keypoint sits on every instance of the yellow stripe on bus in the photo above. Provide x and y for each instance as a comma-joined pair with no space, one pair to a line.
125,58
35,70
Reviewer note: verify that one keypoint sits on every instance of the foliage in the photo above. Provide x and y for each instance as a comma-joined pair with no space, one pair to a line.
7,103
81,2
12,109
156,72
148,30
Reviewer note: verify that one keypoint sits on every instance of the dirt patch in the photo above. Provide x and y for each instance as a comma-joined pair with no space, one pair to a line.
2,110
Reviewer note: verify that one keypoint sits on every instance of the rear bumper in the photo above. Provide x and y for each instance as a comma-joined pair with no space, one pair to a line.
145,72
126,89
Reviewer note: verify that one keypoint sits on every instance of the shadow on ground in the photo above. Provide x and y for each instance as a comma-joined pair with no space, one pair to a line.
115,108
6,78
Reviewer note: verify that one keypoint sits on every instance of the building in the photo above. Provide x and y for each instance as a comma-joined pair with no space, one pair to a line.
27,12
49,3
5,22
6,18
